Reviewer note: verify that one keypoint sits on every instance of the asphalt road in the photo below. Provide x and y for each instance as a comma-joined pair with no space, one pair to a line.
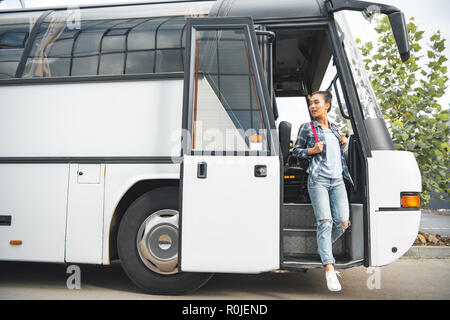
435,223
407,278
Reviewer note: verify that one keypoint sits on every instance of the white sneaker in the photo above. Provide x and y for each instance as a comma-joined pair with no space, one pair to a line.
332,281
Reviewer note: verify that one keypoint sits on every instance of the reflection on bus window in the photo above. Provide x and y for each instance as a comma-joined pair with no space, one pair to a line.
227,110
334,113
13,39
106,47
367,98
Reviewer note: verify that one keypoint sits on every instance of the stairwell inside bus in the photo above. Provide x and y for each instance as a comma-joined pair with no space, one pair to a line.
303,63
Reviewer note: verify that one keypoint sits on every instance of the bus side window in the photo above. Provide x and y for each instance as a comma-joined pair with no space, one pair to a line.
12,44
106,47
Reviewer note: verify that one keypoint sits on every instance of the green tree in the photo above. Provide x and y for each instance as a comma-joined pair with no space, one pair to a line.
408,95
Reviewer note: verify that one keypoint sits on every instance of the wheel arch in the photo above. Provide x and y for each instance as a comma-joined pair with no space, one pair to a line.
134,192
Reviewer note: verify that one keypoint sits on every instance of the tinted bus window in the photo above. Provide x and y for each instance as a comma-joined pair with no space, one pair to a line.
226,103
12,43
106,47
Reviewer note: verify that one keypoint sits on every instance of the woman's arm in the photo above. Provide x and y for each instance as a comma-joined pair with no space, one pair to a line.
300,150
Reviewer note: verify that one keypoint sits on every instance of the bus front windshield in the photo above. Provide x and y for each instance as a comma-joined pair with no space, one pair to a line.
367,98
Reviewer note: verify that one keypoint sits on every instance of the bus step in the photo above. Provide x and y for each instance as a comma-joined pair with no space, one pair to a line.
302,240
306,261
300,229
313,261
295,215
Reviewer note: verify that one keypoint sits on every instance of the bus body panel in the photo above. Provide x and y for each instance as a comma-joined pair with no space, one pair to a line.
102,119
85,213
122,177
35,196
395,233
117,11
270,10
60,122
392,232
392,172
230,219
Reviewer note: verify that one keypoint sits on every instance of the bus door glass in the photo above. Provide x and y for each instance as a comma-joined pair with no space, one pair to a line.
338,112
230,189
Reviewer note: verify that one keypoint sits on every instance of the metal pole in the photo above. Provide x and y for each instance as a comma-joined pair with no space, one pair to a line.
271,36
271,73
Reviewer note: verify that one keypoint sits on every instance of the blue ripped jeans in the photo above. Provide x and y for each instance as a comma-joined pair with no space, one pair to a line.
330,203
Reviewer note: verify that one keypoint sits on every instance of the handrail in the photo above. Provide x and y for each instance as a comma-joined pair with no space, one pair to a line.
271,36
338,97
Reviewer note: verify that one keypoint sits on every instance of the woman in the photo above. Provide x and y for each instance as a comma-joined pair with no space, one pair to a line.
327,168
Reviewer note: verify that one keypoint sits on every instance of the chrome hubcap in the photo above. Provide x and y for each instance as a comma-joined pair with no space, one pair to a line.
157,241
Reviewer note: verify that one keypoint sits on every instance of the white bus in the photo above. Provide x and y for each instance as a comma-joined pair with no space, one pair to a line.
149,133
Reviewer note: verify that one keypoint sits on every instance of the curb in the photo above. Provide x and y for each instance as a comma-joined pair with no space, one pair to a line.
428,252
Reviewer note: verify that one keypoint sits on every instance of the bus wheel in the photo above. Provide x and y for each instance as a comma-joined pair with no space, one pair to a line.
147,244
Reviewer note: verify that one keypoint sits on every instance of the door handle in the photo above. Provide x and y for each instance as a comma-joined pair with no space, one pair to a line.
260,171
202,170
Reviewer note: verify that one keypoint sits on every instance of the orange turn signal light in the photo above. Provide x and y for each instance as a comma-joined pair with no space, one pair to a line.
410,200
15,242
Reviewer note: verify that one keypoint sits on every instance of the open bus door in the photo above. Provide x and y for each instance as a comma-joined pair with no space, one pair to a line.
230,188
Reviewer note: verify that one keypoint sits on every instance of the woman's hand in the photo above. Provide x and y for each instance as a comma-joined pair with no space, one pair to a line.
318,147
344,141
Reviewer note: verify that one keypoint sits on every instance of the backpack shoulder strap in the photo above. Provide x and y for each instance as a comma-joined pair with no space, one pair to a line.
314,132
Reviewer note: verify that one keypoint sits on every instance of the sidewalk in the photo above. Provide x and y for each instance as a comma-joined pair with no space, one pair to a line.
428,252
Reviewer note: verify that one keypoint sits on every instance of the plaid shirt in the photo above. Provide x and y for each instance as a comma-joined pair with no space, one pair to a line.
306,140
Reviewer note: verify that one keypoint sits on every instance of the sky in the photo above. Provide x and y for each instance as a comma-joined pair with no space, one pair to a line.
430,16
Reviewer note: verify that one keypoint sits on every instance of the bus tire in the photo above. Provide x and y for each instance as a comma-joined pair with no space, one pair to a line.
138,269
